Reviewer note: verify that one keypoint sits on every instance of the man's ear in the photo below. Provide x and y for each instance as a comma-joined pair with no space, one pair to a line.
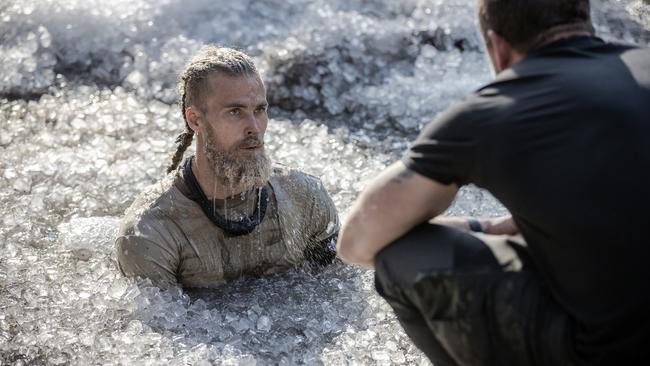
501,51
193,116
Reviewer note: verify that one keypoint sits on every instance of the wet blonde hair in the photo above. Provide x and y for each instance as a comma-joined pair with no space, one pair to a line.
193,85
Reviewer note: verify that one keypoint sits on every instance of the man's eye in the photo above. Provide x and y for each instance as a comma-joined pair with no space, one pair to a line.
235,112
260,109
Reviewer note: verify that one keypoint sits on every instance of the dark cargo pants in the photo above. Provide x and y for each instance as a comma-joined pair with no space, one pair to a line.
469,301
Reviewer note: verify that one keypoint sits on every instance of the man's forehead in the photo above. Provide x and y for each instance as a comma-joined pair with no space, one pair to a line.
226,89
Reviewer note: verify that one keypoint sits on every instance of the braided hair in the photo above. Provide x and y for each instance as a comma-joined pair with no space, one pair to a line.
193,85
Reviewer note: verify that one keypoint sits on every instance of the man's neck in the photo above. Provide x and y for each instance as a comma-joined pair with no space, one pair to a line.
212,186
561,32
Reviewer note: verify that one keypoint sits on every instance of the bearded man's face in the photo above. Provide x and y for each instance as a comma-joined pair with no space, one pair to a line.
236,117
245,164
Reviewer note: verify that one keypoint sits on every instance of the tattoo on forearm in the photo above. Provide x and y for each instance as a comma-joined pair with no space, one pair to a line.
402,176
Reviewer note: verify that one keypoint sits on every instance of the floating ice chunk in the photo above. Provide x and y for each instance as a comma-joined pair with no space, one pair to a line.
5,138
22,183
640,10
380,355
117,289
44,37
87,237
264,323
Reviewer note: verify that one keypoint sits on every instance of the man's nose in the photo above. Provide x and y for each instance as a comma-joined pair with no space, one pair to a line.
254,126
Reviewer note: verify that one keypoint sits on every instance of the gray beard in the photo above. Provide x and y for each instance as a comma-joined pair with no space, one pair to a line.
238,173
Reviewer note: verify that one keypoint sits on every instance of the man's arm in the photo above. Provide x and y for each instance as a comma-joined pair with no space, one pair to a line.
138,256
392,204
321,253
324,224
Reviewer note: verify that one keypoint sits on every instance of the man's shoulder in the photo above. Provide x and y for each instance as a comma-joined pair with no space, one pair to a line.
299,188
155,205
470,116
295,179
305,193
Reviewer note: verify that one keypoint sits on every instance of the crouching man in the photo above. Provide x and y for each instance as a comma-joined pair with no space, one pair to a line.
561,137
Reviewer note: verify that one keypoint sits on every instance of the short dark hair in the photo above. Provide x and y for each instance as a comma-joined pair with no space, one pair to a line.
523,22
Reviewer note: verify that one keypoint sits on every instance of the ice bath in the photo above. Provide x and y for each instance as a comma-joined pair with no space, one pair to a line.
88,117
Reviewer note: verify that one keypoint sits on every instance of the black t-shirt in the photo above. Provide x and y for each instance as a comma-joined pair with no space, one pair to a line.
562,139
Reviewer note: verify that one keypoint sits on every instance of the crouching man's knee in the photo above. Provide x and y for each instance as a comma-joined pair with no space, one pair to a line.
425,249
430,249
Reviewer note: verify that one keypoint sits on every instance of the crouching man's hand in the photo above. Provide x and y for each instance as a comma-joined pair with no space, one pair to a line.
503,225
